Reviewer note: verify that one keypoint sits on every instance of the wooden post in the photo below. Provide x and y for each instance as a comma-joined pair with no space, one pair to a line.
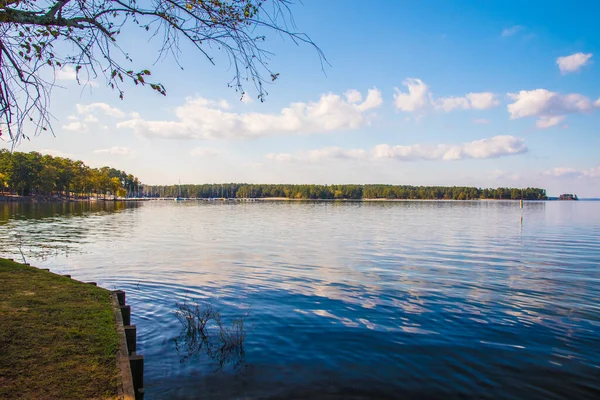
120,297
130,336
521,203
137,373
126,314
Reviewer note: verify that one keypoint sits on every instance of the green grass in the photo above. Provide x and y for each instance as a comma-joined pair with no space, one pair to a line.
58,337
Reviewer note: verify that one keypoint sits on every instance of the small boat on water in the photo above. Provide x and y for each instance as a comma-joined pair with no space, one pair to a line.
178,198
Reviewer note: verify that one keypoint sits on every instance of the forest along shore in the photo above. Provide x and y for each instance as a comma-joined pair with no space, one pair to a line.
46,178
341,192
58,335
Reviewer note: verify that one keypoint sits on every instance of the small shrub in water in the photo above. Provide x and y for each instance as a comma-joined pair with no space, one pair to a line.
203,331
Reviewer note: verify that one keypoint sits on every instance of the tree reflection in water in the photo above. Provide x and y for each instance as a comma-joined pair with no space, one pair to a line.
203,331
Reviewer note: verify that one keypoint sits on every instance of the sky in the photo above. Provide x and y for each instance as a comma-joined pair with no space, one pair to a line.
470,93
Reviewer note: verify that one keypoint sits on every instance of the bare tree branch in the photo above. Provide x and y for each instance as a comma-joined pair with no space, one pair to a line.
29,30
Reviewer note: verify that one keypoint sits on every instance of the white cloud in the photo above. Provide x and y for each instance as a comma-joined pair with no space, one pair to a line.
592,172
86,116
471,101
253,165
372,101
204,152
246,99
335,152
548,121
538,102
200,118
559,172
105,108
573,62
116,150
597,102
549,107
497,146
569,172
323,154
452,103
224,105
482,100
57,153
285,157
75,126
419,99
503,175
513,30
480,121
485,148
66,73
353,96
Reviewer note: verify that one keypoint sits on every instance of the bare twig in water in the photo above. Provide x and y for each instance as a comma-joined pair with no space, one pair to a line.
20,245
203,331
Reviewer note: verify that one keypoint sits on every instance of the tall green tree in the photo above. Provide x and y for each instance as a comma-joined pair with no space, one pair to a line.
35,174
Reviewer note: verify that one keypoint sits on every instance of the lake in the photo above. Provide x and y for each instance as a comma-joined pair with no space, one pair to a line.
411,299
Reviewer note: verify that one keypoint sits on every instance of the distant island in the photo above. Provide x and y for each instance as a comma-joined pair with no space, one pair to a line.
568,196
42,176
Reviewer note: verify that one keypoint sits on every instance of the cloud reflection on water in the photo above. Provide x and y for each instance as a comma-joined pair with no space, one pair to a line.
452,291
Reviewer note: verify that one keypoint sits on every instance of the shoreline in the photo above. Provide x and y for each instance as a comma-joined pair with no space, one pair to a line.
73,356
273,199
383,200
43,199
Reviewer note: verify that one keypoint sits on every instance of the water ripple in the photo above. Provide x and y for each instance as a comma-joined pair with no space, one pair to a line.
346,300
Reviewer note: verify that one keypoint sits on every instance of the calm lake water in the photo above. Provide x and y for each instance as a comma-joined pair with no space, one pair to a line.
345,300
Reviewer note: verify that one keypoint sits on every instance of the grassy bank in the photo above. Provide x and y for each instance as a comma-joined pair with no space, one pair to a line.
57,337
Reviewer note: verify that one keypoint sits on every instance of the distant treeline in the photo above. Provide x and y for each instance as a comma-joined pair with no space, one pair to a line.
355,192
33,173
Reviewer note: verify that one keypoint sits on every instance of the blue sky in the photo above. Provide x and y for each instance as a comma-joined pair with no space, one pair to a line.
434,93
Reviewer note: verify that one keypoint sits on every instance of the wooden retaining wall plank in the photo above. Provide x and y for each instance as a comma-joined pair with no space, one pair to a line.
120,296
126,314
136,363
131,336
126,388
